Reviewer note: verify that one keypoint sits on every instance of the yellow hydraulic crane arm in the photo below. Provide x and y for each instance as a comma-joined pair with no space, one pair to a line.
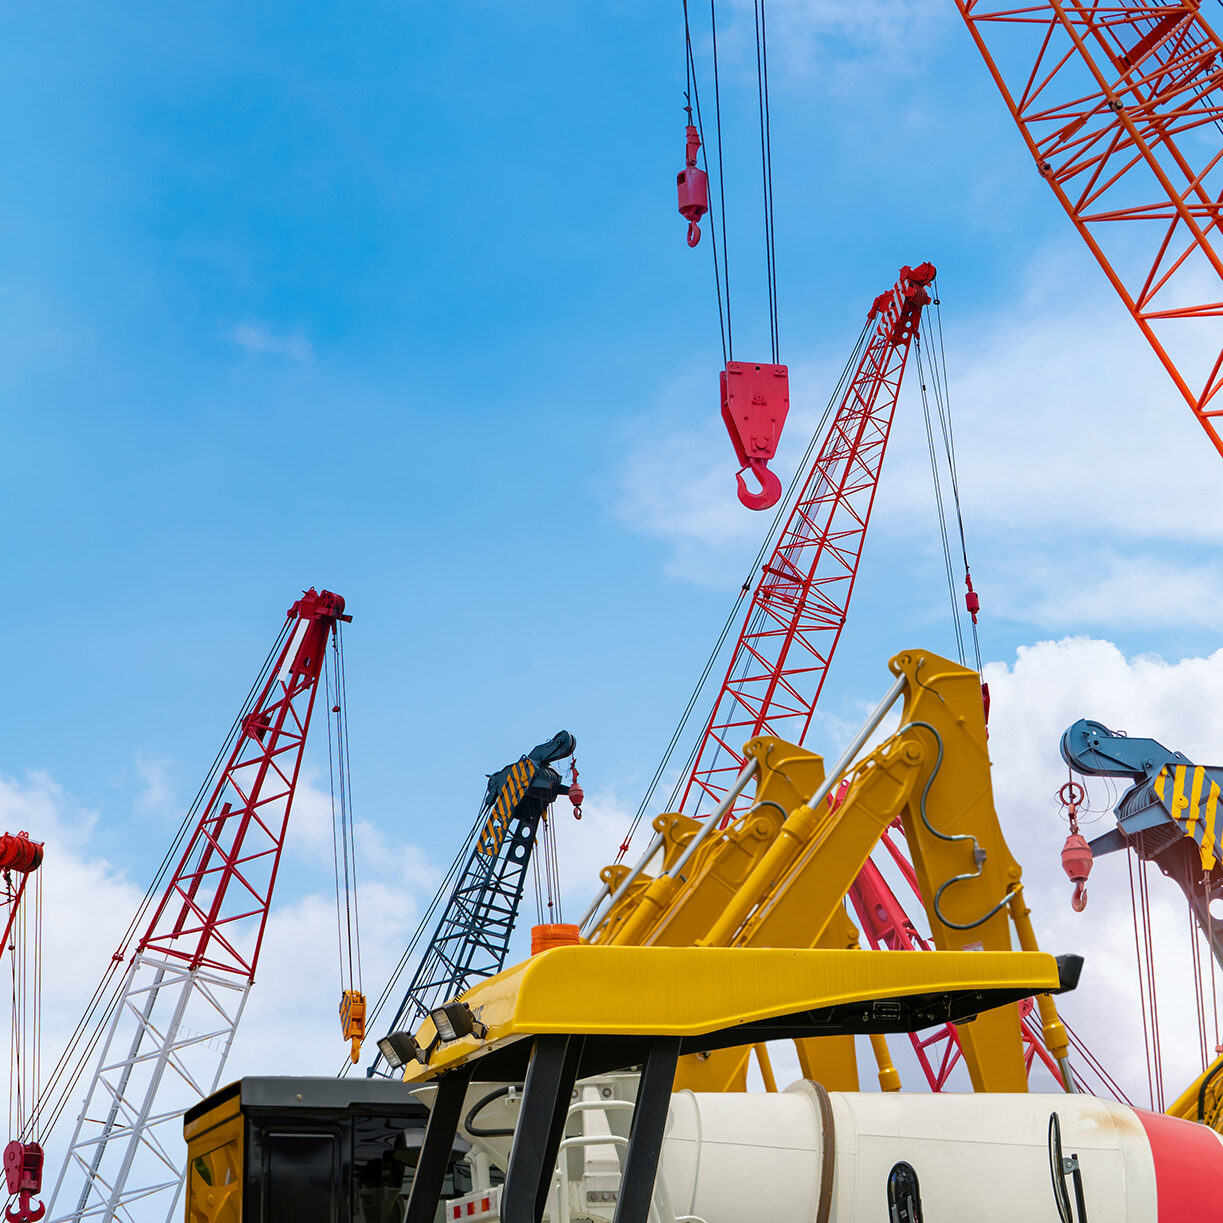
778,875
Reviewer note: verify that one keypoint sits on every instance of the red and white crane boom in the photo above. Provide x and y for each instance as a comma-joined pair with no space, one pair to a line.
188,979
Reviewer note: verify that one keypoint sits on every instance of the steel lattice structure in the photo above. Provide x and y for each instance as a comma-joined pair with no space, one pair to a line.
1121,106
187,983
799,606
472,938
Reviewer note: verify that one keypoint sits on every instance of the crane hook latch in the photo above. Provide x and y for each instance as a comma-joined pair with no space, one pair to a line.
755,401
692,185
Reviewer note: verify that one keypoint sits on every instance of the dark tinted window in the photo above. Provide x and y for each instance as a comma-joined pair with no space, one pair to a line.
303,1177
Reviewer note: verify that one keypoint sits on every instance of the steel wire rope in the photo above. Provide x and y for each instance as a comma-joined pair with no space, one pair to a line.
426,923
693,94
784,508
1210,943
335,843
717,103
938,500
346,788
943,402
766,170
1195,961
70,1068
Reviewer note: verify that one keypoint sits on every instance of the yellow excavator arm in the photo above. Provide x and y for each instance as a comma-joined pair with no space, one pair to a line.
779,873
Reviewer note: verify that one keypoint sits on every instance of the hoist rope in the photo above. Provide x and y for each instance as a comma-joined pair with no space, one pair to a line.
1097,1068
1195,956
86,1036
784,508
692,95
766,170
343,827
426,923
1210,944
938,501
717,104
942,395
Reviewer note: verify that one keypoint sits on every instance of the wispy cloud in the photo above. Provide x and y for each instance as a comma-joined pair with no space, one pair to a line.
158,790
259,340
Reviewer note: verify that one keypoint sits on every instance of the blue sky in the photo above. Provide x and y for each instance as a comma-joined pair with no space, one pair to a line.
394,299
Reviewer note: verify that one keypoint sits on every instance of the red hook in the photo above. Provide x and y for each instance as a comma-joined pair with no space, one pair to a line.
770,485
25,1213
694,233
1076,853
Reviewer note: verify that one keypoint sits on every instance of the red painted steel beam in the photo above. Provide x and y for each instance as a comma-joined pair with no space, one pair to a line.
1121,107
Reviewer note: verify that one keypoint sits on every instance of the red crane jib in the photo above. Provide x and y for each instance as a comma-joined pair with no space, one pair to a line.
214,912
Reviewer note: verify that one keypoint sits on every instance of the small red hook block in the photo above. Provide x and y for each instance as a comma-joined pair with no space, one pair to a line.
693,188
755,402
23,1175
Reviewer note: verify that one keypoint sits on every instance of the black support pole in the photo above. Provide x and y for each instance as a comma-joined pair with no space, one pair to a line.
649,1124
549,1082
438,1144
556,1131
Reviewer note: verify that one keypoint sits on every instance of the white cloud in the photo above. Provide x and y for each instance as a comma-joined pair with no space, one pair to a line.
842,40
1049,686
158,790
259,340
1083,475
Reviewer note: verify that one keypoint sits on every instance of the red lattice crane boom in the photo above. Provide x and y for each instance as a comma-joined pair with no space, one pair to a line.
1121,106
187,982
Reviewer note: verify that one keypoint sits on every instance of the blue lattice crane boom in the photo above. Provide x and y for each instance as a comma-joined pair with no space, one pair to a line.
1170,815
472,937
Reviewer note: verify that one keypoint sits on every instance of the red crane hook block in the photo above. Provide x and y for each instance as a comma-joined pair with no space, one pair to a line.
1076,853
693,187
755,401
23,1176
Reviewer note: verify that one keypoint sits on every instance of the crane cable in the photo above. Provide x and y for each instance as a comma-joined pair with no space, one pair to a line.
426,924
940,387
692,96
25,966
766,170
343,829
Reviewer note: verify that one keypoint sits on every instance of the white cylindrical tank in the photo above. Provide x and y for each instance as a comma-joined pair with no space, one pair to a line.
729,1158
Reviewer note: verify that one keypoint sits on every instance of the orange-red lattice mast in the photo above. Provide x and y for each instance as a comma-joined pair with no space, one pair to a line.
1121,106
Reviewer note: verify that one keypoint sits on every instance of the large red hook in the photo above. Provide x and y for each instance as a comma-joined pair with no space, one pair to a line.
25,1213
770,485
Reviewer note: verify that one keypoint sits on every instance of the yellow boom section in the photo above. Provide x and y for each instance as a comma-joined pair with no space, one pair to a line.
779,874
693,991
